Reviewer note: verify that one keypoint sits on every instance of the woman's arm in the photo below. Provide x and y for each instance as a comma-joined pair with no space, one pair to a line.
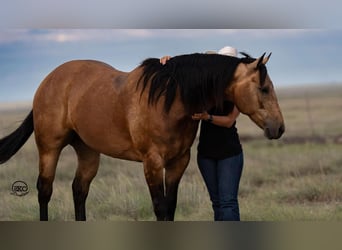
219,120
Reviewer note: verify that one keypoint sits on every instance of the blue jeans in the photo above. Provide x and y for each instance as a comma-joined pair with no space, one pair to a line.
222,178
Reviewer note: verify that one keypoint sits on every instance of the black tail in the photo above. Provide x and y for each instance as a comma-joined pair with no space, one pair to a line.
10,144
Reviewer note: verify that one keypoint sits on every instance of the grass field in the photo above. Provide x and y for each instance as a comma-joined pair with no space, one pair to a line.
296,178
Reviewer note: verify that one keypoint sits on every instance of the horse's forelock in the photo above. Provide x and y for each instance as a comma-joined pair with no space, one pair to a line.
262,67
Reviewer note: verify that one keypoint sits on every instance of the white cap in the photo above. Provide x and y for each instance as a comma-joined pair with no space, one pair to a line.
228,51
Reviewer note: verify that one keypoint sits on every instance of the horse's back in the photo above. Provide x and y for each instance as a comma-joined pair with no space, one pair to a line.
69,82
74,74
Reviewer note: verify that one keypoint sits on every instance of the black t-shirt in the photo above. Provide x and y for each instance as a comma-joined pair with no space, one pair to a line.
219,142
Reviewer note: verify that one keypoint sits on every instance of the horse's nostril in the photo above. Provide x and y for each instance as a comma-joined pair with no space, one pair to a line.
281,129
268,133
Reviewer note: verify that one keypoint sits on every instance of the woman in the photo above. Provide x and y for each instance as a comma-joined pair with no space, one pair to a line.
220,155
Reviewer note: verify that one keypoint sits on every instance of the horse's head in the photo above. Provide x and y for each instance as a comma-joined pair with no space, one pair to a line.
253,93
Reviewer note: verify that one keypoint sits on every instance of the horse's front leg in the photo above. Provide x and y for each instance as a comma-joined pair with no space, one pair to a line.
153,170
173,174
164,190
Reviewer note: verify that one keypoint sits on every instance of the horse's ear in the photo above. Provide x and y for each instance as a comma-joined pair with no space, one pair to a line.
255,65
260,60
266,59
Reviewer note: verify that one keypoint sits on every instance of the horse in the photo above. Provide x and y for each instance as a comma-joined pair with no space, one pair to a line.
143,115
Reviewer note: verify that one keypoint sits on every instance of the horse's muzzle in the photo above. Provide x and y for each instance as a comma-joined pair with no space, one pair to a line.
274,130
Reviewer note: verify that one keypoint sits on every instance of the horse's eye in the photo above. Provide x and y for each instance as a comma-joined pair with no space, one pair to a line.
264,90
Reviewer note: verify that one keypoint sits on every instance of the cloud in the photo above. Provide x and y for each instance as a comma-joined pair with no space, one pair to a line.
77,35
12,35
108,35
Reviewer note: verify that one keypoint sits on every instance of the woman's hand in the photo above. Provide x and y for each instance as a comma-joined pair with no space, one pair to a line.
200,116
164,59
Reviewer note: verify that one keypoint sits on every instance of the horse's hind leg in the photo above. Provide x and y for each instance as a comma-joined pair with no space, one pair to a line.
88,164
47,168
50,144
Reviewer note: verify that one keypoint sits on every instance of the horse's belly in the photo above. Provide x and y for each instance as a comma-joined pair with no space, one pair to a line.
111,142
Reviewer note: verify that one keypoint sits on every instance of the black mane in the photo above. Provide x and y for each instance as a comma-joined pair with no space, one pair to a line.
201,79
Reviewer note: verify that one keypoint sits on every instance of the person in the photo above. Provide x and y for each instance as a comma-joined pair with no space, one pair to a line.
220,155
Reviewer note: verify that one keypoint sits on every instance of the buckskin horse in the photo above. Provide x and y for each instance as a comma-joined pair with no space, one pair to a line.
143,115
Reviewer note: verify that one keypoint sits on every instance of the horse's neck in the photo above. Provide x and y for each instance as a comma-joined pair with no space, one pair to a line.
239,73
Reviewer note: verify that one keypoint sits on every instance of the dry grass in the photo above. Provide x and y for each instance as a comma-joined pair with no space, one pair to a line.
280,182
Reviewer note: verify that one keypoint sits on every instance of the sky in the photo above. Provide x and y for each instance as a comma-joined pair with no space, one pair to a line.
299,56
305,37
170,14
